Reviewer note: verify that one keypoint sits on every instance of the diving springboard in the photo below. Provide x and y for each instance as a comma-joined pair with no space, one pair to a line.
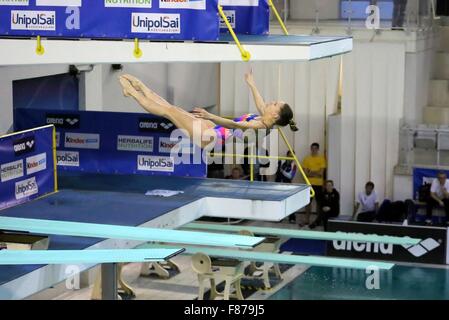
261,48
77,229
258,256
27,257
304,234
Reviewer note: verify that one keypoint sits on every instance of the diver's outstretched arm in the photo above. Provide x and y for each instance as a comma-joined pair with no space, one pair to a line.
258,100
230,124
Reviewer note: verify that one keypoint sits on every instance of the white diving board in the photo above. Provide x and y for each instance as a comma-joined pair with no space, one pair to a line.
262,48
26,257
77,229
282,258
304,234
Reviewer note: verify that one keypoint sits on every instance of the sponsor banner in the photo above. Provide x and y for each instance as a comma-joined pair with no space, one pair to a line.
11,170
135,143
112,19
68,158
111,143
422,176
246,16
167,145
26,166
432,248
82,140
155,163
183,4
36,163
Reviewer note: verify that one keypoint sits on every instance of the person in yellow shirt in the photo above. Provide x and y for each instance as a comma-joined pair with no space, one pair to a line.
314,166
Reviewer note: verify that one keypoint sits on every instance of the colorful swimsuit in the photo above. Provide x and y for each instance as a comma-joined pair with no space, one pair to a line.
224,133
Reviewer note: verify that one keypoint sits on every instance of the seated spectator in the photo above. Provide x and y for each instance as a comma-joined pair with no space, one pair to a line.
439,195
366,204
330,205
286,170
236,174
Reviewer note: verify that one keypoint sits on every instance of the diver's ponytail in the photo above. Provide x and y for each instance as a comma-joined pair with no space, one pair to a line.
293,126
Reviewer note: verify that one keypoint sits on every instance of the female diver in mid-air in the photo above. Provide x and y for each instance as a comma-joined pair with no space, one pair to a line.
271,114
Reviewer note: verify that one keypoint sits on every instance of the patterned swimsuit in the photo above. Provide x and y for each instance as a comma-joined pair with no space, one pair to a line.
224,133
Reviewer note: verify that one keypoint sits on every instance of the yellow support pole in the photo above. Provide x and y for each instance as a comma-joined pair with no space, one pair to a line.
55,160
251,166
278,17
137,51
246,56
39,47
306,179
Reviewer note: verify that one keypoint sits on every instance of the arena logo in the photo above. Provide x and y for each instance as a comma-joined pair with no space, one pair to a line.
135,143
36,163
155,23
11,170
155,163
24,145
26,188
68,121
68,158
418,250
33,20
166,145
128,3
152,125
82,140
183,4
230,16
14,2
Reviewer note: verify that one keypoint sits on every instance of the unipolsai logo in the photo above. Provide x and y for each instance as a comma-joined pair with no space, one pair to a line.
155,23
183,4
155,163
230,16
24,145
68,158
36,163
33,20
26,188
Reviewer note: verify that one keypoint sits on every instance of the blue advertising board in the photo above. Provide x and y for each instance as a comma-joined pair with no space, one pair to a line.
116,143
113,19
246,16
422,176
27,166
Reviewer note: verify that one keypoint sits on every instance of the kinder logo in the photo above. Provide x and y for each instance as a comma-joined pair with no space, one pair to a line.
155,23
243,3
14,2
155,163
151,125
168,146
24,145
128,3
82,140
135,143
11,170
64,121
26,188
183,4
68,158
230,16
33,20
36,163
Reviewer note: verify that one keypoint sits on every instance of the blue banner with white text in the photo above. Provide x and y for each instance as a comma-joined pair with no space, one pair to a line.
27,168
422,176
246,16
117,143
111,19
